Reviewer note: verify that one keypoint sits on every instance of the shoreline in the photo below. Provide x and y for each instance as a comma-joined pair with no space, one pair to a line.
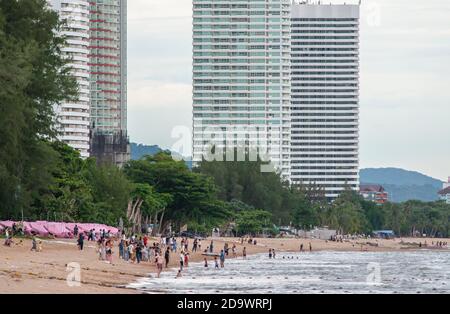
23,271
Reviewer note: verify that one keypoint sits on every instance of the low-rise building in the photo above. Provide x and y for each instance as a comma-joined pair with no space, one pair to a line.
444,194
374,193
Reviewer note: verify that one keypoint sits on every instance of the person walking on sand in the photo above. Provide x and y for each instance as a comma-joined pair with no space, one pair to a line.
301,247
75,231
34,244
194,246
244,253
108,248
310,247
167,257
211,247
80,242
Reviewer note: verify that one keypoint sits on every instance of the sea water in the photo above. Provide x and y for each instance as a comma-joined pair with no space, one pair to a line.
317,272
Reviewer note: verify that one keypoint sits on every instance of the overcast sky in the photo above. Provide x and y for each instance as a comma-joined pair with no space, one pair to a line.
405,79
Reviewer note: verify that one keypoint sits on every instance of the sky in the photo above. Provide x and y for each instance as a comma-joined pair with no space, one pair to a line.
405,79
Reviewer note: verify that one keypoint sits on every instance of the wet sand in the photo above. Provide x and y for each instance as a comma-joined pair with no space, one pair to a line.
24,271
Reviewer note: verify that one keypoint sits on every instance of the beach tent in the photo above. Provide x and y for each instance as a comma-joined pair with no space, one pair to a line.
70,226
59,230
35,228
7,224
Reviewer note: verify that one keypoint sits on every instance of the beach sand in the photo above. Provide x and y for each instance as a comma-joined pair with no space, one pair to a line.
24,271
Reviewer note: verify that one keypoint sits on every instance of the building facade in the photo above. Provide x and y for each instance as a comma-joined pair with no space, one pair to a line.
374,193
286,75
325,96
108,81
74,117
241,77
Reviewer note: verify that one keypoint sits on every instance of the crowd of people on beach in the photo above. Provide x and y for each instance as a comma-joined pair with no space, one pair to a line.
167,250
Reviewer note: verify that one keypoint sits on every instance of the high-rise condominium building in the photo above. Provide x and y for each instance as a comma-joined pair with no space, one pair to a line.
241,76
108,63
73,117
325,96
288,72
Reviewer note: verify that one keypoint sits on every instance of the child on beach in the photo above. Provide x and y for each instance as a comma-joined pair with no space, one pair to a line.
186,260
39,249
181,260
216,262
34,244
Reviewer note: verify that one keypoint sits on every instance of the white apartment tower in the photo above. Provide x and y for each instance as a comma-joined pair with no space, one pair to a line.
288,72
74,117
241,76
325,96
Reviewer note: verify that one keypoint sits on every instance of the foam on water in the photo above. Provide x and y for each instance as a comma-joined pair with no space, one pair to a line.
317,272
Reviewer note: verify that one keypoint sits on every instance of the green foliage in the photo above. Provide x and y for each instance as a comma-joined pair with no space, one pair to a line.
33,79
243,181
192,194
253,222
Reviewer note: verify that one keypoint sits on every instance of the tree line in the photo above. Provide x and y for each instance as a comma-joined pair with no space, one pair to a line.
42,178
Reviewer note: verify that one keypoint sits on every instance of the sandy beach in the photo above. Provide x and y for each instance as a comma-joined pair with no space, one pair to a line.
24,271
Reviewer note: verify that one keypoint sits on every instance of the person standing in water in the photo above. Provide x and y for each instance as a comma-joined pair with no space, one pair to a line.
206,262
222,259
270,253
244,253
181,260
167,257
216,262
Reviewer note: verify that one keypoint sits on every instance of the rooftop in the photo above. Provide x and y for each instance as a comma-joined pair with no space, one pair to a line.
371,188
445,191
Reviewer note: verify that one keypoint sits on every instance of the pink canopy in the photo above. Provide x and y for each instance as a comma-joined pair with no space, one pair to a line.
58,229
7,224
35,228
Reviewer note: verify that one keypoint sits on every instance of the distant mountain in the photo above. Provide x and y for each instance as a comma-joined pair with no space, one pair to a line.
140,150
403,185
